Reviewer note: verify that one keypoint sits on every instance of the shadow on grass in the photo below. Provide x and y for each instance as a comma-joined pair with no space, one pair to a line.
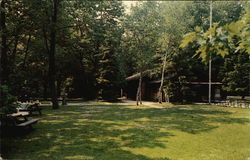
106,131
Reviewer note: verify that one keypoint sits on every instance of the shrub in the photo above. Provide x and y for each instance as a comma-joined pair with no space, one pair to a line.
7,100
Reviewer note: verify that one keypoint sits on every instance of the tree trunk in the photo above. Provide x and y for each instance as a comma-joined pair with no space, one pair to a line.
4,48
64,102
64,96
45,40
52,70
59,86
139,89
166,95
15,48
45,88
140,93
162,80
179,91
26,50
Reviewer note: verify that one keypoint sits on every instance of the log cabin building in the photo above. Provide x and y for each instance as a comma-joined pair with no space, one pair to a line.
150,89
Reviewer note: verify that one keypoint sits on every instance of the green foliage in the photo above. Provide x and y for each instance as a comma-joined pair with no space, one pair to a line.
142,30
235,69
88,37
7,100
198,43
230,41
211,42
219,40
242,28
235,74
182,69
98,45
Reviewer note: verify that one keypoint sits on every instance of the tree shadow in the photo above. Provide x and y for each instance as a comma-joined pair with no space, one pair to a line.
106,131
191,120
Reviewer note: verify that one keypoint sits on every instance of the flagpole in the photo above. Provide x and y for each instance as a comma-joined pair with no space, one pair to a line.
210,58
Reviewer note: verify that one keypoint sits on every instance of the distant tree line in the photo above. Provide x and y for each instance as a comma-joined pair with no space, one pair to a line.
56,45
87,48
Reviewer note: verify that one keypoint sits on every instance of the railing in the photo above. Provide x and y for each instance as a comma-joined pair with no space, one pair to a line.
234,103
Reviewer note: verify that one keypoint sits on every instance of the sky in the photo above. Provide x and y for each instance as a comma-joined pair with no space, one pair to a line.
128,5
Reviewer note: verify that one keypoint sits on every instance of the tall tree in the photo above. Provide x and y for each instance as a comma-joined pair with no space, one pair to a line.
234,74
234,71
109,42
52,52
143,25
4,48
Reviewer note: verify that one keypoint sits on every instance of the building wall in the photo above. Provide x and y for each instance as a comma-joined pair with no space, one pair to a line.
198,92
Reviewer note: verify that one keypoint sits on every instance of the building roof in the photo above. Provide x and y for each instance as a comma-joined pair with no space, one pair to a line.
136,76
219,83
203,83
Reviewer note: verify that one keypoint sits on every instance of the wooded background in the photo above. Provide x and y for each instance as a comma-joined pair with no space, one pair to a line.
88,48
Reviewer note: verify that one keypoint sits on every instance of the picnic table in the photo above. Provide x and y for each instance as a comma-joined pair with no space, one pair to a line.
19,119
29,107
23,106
19,114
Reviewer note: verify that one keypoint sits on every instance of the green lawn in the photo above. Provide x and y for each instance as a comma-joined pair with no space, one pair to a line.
119,132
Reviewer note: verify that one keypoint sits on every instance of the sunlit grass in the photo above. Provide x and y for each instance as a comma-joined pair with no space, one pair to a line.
120,132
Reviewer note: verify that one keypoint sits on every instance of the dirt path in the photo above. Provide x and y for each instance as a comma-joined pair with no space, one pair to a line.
146,103
124,102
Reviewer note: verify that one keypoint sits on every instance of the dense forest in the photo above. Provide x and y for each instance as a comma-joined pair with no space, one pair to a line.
87,48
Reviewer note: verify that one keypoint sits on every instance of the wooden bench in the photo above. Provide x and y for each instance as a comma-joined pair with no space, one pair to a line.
27,123
13,120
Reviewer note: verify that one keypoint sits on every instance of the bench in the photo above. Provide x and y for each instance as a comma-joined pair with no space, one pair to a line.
27,123
13,120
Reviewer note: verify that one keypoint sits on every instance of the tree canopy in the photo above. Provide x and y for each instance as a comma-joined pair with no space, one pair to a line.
88,48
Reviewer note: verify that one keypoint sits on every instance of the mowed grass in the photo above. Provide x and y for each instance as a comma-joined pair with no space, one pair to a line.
120,132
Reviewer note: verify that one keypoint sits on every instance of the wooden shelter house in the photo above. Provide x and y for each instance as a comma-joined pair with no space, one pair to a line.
150,89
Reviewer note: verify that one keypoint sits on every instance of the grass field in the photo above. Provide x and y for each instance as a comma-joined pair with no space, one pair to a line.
120,132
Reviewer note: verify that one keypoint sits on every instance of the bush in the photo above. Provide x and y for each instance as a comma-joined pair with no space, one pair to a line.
7,100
